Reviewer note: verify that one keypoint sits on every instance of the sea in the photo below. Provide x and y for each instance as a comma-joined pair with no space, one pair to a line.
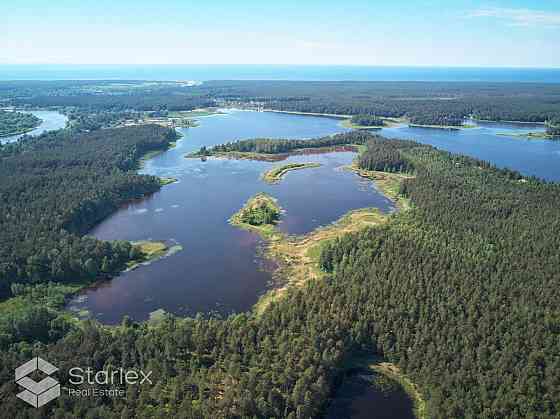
278,72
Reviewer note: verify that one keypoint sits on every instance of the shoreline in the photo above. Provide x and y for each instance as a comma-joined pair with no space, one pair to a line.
531,136
276,174
345,119
325,115
379,365
445,127
250,155
507,122
20,132
297,257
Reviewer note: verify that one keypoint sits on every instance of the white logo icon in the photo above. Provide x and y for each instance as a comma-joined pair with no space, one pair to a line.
39,393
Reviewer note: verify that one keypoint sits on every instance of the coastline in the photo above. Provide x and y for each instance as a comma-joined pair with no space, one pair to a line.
326,115
507,122
531,136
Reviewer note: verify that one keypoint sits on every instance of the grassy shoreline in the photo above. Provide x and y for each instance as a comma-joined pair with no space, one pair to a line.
55,295
387,183
148,251
297,257
276,174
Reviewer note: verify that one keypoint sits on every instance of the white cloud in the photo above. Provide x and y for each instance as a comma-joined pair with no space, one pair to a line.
520,17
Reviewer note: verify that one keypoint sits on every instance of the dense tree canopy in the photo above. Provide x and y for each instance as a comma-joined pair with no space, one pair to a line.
367,120
277,146
448,101
16,122
57,186
553,127
461,292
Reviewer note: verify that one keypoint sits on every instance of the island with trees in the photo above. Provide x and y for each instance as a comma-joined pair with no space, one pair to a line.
260,213
277,149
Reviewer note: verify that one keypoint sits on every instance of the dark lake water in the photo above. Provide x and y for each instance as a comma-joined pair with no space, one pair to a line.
219,268
51,120
359,397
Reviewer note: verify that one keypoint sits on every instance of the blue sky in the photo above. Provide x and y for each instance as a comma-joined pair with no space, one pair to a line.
345,32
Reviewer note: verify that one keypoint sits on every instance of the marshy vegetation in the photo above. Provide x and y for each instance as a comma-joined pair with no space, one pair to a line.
276,174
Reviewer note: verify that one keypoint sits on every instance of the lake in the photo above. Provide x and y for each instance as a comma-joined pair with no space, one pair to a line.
364,394
51,120
220,268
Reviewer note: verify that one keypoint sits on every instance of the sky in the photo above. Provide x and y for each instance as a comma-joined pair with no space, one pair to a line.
345,32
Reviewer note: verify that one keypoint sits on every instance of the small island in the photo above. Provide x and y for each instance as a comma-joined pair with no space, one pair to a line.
439,121
276,174
14,123
166,180
145,251
260,214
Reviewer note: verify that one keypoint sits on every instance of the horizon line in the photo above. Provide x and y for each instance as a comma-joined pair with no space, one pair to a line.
293,65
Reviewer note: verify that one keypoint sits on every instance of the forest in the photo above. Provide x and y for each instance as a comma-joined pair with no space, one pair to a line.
277,146
55,187
16,122
425,102
367,121
461,292
553,127
149,102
